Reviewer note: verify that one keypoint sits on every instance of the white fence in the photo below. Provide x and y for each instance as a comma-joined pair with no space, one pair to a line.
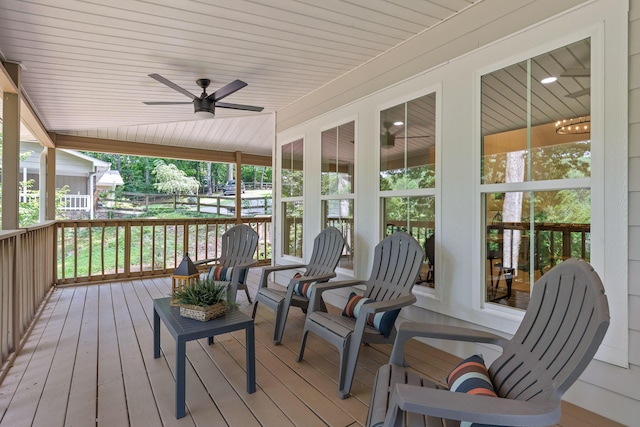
70,202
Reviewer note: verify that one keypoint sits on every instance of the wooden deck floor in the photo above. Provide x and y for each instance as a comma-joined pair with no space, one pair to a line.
89,361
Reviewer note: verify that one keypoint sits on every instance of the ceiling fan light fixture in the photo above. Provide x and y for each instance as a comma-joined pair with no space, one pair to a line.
205,114
548,80
204,108
577,125
387,141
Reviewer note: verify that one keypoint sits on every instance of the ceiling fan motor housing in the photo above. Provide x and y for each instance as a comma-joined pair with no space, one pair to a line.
204,104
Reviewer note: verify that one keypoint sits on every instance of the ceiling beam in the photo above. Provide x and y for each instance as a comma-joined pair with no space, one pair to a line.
102,145
6,81
31,120
28,115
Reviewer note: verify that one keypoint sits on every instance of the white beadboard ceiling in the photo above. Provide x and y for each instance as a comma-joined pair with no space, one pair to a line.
86,62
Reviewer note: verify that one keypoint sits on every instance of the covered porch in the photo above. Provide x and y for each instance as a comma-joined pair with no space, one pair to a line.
88,360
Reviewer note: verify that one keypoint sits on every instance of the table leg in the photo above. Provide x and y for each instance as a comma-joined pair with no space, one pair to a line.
156,334
508,277
180,377
251,358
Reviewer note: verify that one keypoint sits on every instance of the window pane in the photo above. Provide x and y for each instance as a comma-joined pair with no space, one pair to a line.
416,216
292,229
339,214
337,160
530,232
292,168
407,145
538,131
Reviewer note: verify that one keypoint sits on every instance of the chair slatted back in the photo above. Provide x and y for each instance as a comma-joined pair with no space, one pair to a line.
397,260
239,245
562,329
327,249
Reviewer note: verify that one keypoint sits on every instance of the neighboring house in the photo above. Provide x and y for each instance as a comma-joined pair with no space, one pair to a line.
84,175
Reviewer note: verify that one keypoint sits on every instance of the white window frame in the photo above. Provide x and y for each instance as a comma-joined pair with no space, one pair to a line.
420,291
607,29
344,196
279,227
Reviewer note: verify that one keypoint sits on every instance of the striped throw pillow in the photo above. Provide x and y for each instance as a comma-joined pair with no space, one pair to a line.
302,289
223,274
472,377
382,321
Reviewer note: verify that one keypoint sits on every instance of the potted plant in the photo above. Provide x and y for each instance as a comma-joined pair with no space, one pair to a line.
205,300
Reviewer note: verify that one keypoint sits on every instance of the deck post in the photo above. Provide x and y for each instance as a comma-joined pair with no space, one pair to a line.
11,148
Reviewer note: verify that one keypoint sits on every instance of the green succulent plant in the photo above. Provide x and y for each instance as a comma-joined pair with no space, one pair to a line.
204,293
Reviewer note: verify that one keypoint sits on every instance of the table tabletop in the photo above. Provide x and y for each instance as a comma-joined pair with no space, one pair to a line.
190,329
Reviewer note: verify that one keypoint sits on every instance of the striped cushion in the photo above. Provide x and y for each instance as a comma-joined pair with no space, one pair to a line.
472,377
382,321
223,274
302,289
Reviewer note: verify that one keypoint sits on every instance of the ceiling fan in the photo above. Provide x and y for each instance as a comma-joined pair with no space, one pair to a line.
388,139
205,105
577,72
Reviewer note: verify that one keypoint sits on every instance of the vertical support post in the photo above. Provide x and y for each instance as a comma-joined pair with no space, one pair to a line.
11,149
50,191
238,187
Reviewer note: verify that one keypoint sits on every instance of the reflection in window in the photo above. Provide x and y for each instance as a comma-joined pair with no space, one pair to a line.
291,185
338,160
292,168
416,216
520,252
292,228
532,132
408,174
407,145
337,179
547,138
339,214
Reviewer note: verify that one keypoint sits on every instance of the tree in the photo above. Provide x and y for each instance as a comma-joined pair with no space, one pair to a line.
172,180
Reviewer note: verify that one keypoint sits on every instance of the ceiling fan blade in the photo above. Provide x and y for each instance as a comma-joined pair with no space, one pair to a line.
227,90
576,72
165,103
238,106
578,93
172,85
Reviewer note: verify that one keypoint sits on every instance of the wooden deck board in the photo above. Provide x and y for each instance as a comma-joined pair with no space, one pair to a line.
137,387
81,407
112,408
89,361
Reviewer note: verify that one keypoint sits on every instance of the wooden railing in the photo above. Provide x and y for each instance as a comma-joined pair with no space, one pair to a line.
103,250
552,243
26,275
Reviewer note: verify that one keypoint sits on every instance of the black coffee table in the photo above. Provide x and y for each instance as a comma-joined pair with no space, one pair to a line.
183,330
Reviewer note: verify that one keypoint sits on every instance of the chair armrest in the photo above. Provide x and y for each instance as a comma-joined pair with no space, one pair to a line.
473,408
408,330
205,261
245,264
271,269
319,288
378,306
310,279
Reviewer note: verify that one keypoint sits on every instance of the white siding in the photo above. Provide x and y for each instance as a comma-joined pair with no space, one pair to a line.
634,201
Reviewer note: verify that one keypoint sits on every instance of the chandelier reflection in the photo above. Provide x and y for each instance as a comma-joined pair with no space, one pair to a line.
574,126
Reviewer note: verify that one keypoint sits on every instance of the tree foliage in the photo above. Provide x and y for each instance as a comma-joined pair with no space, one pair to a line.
171,180
137,172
